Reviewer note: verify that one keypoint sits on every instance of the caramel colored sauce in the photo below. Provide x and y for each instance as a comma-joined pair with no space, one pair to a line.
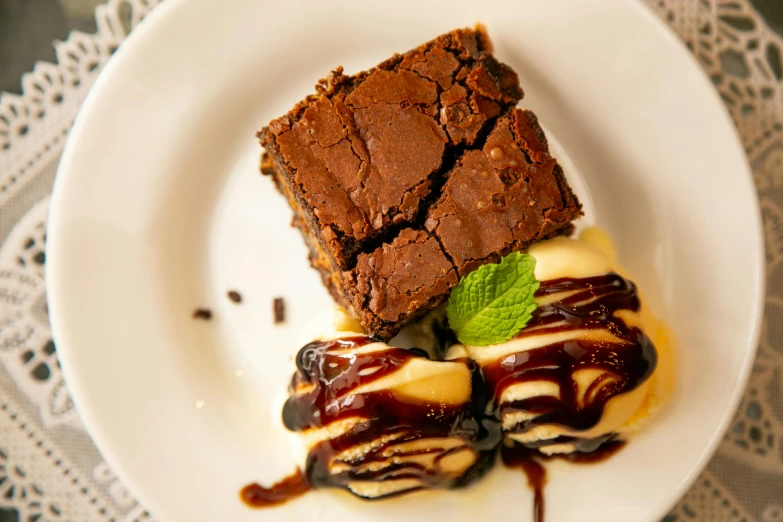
257,496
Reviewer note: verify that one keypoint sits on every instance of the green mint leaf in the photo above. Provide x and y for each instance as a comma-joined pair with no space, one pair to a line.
491,304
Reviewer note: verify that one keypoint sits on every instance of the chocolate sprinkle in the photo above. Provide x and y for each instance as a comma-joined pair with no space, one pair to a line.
279,308
235,296
202,313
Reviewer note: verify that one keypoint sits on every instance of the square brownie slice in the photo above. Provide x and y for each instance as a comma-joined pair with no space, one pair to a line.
361,156
498,199
407,177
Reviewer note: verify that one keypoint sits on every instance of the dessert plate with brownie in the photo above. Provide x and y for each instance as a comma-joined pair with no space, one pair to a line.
509,270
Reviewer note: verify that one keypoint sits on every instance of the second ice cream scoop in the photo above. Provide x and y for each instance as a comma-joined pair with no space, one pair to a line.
379,420
580,372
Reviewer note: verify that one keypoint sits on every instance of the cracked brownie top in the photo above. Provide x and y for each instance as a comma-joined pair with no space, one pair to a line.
502,197
408,176
368,152
497,199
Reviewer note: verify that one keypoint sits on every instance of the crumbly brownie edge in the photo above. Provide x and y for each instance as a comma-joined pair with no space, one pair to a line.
321,263
338,83
570,201
284,182
319,260
385,330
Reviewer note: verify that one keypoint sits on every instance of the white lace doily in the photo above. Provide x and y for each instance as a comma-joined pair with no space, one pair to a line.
49,469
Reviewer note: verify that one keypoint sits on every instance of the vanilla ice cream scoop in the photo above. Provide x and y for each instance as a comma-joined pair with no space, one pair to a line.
379,420
581,371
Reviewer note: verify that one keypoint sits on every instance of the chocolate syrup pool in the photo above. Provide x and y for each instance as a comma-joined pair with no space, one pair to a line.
326,375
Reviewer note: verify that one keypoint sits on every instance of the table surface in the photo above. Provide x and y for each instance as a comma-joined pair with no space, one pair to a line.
28,29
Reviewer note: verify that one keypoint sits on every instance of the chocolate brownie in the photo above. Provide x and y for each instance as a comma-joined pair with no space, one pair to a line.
363,154
496,200
399,281
406,177
502,197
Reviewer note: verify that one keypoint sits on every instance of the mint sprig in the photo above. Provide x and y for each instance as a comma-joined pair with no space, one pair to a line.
491,304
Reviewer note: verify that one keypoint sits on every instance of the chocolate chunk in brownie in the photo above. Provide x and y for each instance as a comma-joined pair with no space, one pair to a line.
503,197
362,155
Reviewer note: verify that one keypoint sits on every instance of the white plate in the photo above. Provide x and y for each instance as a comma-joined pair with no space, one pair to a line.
159,209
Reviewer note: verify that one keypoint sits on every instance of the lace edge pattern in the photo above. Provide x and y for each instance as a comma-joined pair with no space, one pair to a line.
40,478
742,58
33,125
42,484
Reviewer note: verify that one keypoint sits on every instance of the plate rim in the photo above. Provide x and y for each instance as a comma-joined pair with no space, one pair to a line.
164,12
757,314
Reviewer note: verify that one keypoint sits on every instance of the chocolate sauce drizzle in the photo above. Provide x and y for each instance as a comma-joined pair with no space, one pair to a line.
529,460
322,391
331,372
590,304
293,486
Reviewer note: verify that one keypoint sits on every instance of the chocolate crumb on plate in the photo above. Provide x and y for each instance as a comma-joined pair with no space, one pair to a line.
235,296
202,313
279,308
